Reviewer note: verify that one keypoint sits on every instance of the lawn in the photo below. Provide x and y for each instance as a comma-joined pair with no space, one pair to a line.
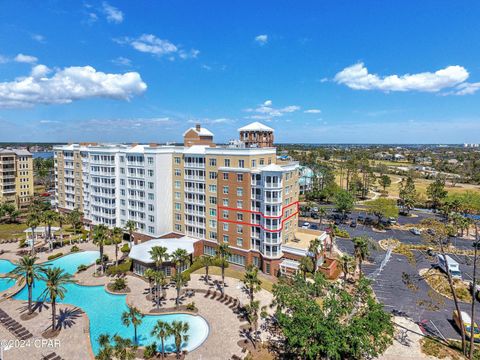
267,284
12,231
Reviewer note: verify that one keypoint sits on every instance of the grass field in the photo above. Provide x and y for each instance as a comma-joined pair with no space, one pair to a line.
12,231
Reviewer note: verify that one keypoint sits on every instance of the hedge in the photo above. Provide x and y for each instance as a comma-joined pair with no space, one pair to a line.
54,256
122,268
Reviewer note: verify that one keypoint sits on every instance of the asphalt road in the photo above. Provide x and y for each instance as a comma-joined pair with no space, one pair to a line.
420,303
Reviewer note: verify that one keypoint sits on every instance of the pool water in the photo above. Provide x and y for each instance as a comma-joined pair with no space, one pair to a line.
6,266
6,283
104,309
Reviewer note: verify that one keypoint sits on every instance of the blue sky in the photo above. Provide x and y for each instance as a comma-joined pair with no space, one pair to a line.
316,71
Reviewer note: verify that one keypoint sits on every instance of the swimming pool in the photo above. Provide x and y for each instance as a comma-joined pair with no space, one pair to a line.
6,283
6,266
104,309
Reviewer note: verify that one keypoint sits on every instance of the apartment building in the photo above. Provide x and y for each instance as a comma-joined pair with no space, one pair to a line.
16,177
240,194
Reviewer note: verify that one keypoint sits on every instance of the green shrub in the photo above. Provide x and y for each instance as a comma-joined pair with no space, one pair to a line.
119,284
105,259
22,243
82,267
125,249
191,306
340,232
122,268
54,256
150,351
74,248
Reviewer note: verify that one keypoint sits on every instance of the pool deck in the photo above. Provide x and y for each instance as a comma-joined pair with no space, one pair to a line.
221,342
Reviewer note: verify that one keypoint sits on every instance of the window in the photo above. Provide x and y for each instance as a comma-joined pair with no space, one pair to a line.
177,184
122,181
239,217
150,207
213,235
267,268
226,162
254,163
241,163
177,160
239,242
178,172
225,214
213,224
225,227
150,160
213,162
178,227
178,206
225,190
225,176
150,172
212,188
178,217
213,212
239,204
212,200
239,177
122,170
208,250
225,202
150,185
225,238
239,229
262,161
237,259
151,196
212,175
239,191
151,218
151,229
177,195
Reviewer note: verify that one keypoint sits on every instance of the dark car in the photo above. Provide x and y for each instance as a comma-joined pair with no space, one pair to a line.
361,218
315,216
431,232
353,224
369,220
314,227
338,221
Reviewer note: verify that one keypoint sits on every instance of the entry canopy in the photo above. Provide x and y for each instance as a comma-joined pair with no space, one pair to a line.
141,252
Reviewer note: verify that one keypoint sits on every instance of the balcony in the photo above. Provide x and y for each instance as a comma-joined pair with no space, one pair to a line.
195,201
273,200
194,165
273,185
195,224
194,212
194,177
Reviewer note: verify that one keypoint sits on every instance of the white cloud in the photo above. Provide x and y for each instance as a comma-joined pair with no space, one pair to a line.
122,61
49,122
149,43
266,111
312,111
92,17
357,77
261,39
21,58
3,59
465,88
68,85
39,38
113,14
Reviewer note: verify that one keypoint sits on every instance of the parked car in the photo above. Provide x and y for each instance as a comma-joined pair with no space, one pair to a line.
305,225
353,224
361,218
451,264
369,220
467,324
315,216
474,290
392,220
431,232
430,252
315,209
314,226
338,221
415,231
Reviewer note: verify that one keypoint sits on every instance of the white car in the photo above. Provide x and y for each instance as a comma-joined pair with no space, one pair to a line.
315,209
306,225
415,231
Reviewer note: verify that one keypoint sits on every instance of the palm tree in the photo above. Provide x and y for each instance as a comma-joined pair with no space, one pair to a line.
314,247
321,213
75,219
251,281
223,251
56,279
106,350
124,349
33,220
206,261
361,250
161,330
132,316
117,237
149,274
160,282
159,255
131,227
100,234
61,221
346,261
179,258
180,281
179,330
49,217
306,265
28,271
252,314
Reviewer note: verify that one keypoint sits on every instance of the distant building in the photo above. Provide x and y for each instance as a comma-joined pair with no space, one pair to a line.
471,145
305,180
16,177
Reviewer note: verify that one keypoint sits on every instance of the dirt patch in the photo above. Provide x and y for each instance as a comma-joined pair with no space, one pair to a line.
438,349
438,281
27,316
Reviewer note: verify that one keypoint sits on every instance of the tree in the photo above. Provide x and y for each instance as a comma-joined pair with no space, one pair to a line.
347,324
75,219
314,248
436,192
150,276
49,217
33,221
29,271
179,258
306,265
131,227
179,330
134,317
361,250
407,194
180,281
223,252
124,349
382,207
206,261
344,201
117,238
56,279
62,219
251,281
321,214
346,261
385,181
160,281
106,350
158,254
252,316
161,330
100,236
474,282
